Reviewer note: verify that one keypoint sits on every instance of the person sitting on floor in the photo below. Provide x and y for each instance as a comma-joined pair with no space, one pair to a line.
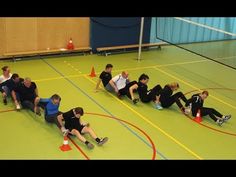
76,127
196,103
167,99
105,77
28,94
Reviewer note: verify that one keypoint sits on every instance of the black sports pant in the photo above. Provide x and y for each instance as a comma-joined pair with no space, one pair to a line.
28,104
174,99
151,96
209,111
53,119
125,90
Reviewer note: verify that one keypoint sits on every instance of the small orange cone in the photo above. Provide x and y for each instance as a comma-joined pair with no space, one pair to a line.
93,74
65,146
198,117
70,45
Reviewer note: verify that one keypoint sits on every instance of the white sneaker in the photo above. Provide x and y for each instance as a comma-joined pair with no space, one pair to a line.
187,110
220,122
18,107
227,117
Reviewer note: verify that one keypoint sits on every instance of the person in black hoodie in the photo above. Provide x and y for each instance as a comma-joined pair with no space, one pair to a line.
167,99
196,103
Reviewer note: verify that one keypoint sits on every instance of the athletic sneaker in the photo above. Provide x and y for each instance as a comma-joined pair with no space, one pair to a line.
187,110
37,111
65,133
158,106
220,122
102,141
17,107
5,101
136,100
90,145
227,117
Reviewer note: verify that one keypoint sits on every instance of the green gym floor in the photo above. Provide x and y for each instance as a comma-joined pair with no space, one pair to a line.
134,131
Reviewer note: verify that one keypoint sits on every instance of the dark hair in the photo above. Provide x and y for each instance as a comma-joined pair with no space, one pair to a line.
56,97
14,76
205,92
143,77
109,66
4,68
79,110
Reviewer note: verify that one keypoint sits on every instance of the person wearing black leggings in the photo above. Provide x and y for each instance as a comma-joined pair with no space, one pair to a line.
196,102
167,99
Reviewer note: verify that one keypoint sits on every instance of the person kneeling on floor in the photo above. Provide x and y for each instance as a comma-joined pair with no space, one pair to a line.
76,127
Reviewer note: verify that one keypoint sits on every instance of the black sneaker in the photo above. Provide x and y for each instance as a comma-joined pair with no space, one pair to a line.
5,101
102,141
90,145
136,100
227,117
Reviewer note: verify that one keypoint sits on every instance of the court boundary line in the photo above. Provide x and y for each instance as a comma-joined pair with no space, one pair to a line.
129,69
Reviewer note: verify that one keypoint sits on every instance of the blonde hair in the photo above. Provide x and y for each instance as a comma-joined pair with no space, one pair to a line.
173,85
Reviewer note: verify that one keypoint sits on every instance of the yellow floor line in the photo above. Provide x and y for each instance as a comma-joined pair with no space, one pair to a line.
125,69
186,83
151,123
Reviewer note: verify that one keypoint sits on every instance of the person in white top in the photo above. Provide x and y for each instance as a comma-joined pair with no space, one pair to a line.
119,82
6,74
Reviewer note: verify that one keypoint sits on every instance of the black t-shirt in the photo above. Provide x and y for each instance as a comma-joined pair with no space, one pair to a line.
70,119
25,92
105,77
142,91
11,85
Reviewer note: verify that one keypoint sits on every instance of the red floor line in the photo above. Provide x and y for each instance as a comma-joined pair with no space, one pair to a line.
8,110
148,137
82,152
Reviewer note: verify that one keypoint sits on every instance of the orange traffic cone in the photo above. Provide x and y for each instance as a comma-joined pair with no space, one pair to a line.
93,74
70,45
198,117
65,146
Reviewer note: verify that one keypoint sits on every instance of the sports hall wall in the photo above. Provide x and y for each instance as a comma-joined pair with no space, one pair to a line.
106,32
177,31
30,34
